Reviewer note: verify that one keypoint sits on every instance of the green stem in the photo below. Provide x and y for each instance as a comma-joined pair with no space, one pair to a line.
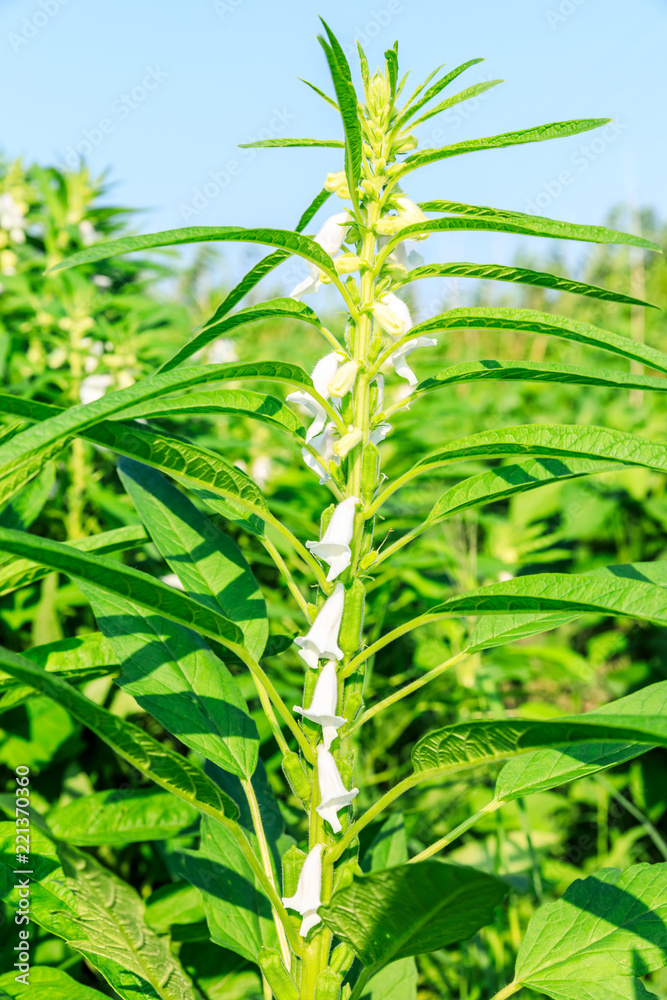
355,829
637,813
267,864
388,638
361,984
507,991
287,576
445,841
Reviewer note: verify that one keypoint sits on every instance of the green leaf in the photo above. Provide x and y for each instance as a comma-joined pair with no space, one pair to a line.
331,143
320,93
210,565
86,656
347,103
484,741
125,582
540,770
539,371
174,675
27,505
281,308
40,737
507,221
121,816
412,109
597,940
554,130
161,765
256,405
97,914
20,457
464,95
388,849
46,981
177,909
303,246
522,276
411,909
533,321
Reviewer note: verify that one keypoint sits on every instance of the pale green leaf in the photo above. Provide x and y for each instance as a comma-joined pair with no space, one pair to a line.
121,816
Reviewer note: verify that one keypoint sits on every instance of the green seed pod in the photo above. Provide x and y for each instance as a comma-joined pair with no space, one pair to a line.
367,561
353,705
342,957
370,471
297,778
349,638
327,985
277,975
292,863
346,768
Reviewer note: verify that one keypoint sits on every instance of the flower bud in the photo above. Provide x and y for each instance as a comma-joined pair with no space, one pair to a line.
281,983
337,183
344,378
347,263
367,561
342,957
404,144
388,226
348,442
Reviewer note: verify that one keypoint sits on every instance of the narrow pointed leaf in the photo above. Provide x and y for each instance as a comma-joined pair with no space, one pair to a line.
331,143
539,371
464,95
428,95
554,130
523,276
320,93
163,766
347,103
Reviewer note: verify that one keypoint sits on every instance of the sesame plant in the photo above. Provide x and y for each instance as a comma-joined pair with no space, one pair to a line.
300,907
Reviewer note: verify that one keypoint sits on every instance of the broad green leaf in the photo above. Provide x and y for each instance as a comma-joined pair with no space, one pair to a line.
39,737
502,220
411,909
86,656
97,914
331,143
428,95
484,741
554,130
176,677
177,909
272,309
46,982
121,816
347,104
541,770
237,910
284,239
112,576
388,849
20,457
21,572
163,766
255,405
464,95
533,321
266,265
522,276
597,940
539,371
208,563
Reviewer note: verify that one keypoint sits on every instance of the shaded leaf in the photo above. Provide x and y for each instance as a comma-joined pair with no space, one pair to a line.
121,816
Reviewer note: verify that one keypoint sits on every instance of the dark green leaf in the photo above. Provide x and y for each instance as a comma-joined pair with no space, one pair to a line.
121,816
46,981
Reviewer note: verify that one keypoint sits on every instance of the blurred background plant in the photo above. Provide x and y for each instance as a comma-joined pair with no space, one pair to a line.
72,337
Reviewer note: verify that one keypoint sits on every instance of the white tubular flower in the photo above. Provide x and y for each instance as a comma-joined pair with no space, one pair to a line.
12,217
410,214
379,432
334,796
331,238
308,895
393,315
398,358
322,709
323,373
321,641
93,387
324,444
334,548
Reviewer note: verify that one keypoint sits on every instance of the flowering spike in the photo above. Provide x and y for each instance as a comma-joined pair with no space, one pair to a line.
334,796
322,708
321,640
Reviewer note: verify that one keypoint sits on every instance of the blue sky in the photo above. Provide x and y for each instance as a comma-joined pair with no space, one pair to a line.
161,92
